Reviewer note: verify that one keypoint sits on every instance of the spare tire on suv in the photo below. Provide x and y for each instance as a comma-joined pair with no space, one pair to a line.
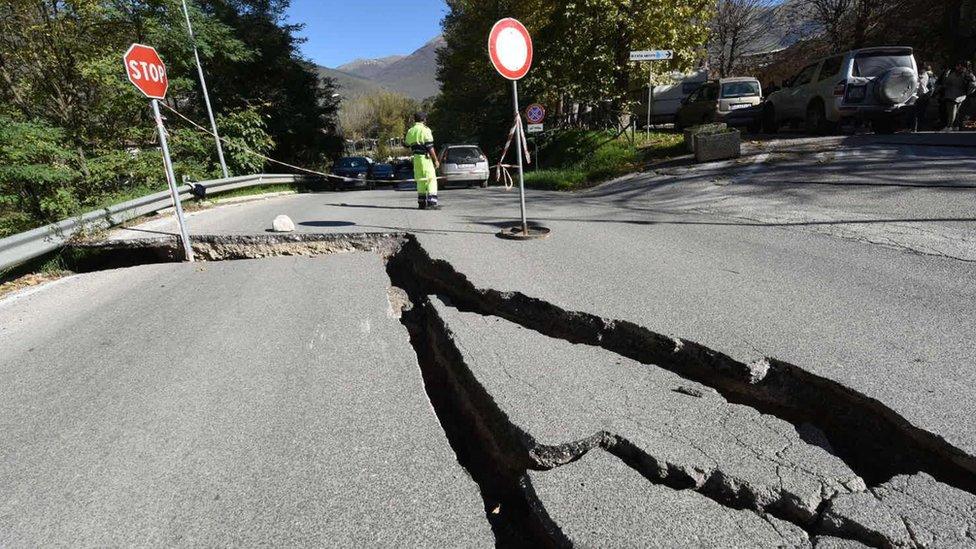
896,86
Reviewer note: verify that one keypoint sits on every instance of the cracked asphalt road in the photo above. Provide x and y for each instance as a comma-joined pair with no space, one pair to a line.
271,402
889,322
884,320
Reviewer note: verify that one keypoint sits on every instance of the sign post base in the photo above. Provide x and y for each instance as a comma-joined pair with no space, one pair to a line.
516,233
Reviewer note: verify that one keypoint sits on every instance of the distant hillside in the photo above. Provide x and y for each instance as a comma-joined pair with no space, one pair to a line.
369,68
349,85
413,75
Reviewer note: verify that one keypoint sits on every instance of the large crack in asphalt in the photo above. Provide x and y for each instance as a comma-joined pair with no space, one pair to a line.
872,439
486,445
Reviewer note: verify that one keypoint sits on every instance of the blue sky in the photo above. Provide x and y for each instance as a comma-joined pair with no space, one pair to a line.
339,31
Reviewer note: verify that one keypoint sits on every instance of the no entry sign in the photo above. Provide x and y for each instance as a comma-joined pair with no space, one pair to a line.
510,48
146,71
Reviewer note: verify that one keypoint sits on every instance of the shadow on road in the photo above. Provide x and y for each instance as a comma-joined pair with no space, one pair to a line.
746,223
372,206
326,223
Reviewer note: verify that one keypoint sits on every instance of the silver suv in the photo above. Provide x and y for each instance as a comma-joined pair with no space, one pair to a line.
875,84
465,165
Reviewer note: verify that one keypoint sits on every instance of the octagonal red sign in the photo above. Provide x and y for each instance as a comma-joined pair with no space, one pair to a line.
146,71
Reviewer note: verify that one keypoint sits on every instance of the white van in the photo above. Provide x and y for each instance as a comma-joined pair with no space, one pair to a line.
668,97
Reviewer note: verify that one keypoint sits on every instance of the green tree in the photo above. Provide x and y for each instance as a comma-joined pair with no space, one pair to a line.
36,173
475,104
584,50
381,115
301,106
62,86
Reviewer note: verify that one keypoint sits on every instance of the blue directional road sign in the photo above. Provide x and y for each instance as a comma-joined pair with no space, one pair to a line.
652,55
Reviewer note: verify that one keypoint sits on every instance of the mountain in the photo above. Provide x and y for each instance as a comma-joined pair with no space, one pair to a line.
349,85
413,75
369,68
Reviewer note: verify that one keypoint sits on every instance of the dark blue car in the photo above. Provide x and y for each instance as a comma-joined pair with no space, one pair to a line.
380,172
404,170
354,171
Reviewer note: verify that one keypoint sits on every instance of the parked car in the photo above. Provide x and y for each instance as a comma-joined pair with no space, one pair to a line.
875,84
380,172
463,165
720,101
403,169
354,170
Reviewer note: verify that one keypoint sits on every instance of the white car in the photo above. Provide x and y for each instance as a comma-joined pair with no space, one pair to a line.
721,101
463,165
875,84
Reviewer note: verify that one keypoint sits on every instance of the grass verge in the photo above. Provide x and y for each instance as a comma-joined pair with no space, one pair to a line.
578,160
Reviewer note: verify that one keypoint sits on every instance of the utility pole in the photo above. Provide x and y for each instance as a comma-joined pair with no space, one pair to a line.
206,95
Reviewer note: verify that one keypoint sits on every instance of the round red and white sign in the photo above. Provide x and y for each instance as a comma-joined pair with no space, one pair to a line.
510,48
146,71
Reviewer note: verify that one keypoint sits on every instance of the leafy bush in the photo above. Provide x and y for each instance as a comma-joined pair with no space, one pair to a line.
37,170
555,180
578,159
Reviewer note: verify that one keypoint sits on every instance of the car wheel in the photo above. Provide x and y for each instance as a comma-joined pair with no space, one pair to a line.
677,122
769,124
816,120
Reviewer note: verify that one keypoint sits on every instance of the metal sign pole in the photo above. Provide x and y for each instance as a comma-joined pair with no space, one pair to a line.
171,179
518,153
206,94
650,96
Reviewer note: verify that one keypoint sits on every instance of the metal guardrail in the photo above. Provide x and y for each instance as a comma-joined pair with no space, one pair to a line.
20,248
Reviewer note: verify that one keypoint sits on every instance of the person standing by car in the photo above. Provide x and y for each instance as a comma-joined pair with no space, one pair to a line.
926,85
955,87
425,163
968,108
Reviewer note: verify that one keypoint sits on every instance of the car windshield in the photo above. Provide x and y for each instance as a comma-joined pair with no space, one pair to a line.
352,163
740,89
463,155
877,63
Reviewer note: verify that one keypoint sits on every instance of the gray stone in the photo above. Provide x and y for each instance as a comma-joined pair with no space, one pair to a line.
717,146
283,224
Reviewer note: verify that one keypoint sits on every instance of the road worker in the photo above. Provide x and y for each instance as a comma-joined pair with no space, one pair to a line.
425,163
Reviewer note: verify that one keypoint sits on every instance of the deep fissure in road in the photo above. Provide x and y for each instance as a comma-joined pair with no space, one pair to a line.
875,441
474,429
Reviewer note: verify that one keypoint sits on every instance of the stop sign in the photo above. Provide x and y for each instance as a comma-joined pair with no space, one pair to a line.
146,71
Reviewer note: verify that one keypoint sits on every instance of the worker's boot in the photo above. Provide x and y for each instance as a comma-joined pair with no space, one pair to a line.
432,203
422,201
